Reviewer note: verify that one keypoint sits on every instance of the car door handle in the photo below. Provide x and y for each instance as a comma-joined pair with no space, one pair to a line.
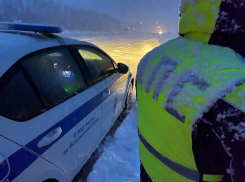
106,93
50,137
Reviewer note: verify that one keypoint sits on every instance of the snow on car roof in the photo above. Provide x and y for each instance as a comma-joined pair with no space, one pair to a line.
18,38
14,45
11,38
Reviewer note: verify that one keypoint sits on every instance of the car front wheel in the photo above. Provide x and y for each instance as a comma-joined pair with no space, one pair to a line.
129,99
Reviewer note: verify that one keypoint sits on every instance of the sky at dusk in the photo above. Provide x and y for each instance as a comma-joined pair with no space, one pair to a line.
138,14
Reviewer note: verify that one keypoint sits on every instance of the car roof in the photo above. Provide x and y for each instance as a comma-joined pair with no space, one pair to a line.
16,44
15,38
12,38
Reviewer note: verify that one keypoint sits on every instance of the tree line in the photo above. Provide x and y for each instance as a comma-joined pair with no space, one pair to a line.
54,13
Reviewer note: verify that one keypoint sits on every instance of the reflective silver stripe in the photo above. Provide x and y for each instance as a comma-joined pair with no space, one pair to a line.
166,66
167,71
184,171
141,67
185,78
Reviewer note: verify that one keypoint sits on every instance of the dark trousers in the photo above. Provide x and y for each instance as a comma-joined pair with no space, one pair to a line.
144,177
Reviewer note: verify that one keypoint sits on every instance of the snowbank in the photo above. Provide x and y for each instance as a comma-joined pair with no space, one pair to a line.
120,160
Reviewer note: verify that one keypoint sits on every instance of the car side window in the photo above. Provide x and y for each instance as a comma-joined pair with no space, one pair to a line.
18,99
55,74
99,64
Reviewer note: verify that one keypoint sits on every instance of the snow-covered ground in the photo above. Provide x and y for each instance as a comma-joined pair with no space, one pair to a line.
119,159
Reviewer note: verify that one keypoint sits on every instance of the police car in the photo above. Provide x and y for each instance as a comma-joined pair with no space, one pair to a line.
58,99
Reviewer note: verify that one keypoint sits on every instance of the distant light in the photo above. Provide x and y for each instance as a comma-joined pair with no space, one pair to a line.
30,27
68,67
129,28
156,22
141,22
158,26
133,28
160,32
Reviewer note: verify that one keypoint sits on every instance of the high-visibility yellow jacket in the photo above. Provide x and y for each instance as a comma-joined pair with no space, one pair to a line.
191,94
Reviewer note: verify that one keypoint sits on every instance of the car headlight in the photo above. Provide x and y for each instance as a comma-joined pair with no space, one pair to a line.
4,167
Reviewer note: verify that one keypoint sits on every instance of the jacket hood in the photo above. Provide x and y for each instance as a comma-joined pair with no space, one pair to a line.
218,22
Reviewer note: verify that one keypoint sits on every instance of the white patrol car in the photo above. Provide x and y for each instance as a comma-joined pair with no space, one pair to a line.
58,99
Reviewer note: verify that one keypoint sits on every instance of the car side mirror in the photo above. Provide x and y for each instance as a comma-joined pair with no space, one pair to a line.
122,68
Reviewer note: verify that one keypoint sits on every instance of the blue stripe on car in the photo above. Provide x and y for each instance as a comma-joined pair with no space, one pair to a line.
19,161
22,159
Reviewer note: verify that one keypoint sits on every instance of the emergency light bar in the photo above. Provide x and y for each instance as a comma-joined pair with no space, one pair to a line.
30,27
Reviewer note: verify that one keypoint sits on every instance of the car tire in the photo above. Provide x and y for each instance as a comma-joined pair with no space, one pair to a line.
129,98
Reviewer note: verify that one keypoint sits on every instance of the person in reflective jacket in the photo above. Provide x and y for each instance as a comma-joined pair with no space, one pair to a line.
191,98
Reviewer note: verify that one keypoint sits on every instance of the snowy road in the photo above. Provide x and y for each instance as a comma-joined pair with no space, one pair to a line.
119,159
127,48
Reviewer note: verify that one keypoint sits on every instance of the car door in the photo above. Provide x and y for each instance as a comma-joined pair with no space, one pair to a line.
106,82
66,126
118,83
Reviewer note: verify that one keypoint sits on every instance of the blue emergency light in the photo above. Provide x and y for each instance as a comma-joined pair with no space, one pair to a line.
30,27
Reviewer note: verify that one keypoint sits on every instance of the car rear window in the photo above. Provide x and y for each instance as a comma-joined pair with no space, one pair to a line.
55,74
18,100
